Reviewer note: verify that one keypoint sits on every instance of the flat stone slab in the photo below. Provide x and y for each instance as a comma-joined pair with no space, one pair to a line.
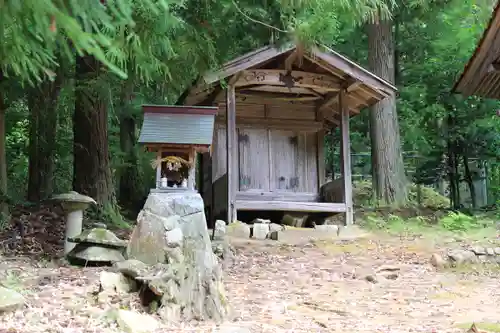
99,236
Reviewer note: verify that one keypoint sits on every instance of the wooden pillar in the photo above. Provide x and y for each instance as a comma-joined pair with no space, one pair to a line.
158,168
320,154
191,181
231,152
346,158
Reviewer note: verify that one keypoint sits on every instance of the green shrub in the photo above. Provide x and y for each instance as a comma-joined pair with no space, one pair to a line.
459,222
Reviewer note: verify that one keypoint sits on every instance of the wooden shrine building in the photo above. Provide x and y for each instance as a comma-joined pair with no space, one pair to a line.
481,76
274,107
177,134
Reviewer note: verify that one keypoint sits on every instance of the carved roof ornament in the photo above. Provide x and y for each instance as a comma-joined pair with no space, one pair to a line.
288,79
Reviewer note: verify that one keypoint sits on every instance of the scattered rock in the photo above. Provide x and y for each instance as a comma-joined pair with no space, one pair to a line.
388,268
133,322
275,235
238,229
260,230
10,300
438,261
332,191
461,256
371,278
478,250
328,228
351,232
116,282
276,227
258,220
131,267
220,230
390,275
294,220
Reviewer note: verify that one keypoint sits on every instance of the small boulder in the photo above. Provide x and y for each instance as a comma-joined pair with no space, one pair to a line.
275,235
328,228
461,256
276,227
10,300
258,220
294,220
260,230
438,261
497,250
220,230
133,322
238,229
131,267
478,250
490,251
116,282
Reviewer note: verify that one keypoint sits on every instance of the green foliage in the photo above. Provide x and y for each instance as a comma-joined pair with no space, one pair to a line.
422,196
456,221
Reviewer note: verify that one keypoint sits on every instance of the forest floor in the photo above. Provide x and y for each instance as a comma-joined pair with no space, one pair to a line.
311,286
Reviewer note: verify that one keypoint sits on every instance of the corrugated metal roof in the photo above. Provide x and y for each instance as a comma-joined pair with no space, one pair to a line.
193,129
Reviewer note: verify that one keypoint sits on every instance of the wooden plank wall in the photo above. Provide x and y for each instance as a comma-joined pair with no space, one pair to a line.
292,154
254,159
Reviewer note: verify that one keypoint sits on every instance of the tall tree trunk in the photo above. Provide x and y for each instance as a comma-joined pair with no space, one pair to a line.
470,181
387,161
454,197
42,103
130,180
91,165
4,206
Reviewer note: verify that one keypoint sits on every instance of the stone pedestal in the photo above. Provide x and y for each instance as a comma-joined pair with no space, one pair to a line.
171,238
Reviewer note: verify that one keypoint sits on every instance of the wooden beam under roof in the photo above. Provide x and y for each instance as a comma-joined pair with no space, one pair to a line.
279,78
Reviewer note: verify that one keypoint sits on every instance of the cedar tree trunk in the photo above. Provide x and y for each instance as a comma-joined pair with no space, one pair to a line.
91,165
387,161
130,182
42,103
4,207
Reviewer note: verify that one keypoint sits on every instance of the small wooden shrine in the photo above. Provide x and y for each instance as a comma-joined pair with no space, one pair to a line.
177,134
275,107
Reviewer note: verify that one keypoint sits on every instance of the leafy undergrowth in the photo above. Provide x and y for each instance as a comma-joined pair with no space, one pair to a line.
451,225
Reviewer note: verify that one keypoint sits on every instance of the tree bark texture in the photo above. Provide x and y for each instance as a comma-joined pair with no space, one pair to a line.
387,160
130,190
4,207
42,103
470,181
91,165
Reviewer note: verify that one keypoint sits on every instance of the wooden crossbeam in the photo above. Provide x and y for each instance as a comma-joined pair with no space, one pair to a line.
278,78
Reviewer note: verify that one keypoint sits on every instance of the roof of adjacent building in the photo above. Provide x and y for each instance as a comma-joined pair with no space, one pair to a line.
481,75
177,125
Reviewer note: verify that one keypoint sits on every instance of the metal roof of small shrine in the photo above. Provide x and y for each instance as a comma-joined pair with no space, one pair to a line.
177,125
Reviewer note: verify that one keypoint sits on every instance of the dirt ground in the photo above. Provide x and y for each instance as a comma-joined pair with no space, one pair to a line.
313,286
